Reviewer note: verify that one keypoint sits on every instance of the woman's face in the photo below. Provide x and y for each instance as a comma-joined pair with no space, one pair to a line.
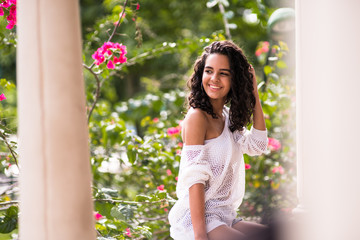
216,77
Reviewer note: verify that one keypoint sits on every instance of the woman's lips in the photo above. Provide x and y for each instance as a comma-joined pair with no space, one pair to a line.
214,87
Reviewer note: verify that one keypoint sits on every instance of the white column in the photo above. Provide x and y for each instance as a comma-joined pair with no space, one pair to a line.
328,89
55,178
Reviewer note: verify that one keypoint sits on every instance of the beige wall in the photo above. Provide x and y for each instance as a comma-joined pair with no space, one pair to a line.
328,84
55,177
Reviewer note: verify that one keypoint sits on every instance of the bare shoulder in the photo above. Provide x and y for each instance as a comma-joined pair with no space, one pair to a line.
194,127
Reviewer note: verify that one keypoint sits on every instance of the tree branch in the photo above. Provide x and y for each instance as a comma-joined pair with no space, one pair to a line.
119,22
115,28
227,29
131,202
10,148
98,83
14,202
97,91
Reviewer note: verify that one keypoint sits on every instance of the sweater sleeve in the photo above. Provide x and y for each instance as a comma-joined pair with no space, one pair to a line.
253,142
194,167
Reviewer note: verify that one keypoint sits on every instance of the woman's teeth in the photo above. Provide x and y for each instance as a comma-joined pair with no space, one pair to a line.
214,87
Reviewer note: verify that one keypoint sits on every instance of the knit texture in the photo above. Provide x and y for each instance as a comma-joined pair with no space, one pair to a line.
219,165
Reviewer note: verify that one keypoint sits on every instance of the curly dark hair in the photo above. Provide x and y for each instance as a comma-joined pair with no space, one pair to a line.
240,97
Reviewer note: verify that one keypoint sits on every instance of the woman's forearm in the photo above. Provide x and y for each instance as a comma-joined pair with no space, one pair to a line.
197,210
258,114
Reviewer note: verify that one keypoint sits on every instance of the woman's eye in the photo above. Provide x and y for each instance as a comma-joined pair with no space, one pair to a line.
225,74
208,71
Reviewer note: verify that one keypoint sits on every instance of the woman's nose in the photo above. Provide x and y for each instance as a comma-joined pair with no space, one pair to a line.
215,77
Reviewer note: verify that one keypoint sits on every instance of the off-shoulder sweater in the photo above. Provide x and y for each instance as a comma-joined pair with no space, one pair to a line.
219,165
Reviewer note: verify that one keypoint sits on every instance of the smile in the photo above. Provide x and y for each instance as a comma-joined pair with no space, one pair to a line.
214,87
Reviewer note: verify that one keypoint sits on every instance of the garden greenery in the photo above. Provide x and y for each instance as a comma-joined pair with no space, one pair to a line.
135,142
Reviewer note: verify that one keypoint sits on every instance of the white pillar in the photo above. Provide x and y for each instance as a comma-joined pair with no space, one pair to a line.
55,178
328,89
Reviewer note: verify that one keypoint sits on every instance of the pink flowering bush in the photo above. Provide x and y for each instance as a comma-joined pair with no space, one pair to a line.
111,54
97,216
128,232
274,144
270,185
2,97
278,169
8,9
161,187
263,47
173,130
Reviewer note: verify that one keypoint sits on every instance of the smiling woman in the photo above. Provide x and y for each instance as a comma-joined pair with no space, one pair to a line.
241,93
211,183
217,78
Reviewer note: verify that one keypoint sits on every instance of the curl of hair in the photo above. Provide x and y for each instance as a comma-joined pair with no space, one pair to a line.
241,96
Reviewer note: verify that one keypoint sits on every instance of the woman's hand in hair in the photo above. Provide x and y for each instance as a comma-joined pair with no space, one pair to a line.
252,71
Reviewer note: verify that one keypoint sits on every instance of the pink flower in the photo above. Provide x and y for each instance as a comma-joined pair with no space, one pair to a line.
173,130
265,46
107,52
278,169
247,166
180,144
122,15
258,52
98,216
6,3
161,187
128,233
155,120
168,172
2,97
176,178
110,65
138,6
166,210
274,144
11,18
10,26
178,152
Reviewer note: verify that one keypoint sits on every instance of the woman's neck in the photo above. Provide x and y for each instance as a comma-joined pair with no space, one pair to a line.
218,107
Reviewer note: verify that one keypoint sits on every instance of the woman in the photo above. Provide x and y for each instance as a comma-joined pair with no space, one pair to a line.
211,179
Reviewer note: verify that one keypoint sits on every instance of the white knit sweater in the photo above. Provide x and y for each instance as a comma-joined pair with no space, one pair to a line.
219,165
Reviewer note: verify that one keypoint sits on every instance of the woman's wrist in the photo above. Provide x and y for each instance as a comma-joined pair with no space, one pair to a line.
202,237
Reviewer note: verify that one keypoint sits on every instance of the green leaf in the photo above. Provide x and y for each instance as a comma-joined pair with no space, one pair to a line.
110,192
104,208
232,25
229,14
225,2
267,70
161,195
274,76
142,198
283,46
9,222
281,64
123,212
211,3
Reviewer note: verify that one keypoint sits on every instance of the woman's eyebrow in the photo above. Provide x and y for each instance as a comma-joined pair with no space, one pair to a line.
221,69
